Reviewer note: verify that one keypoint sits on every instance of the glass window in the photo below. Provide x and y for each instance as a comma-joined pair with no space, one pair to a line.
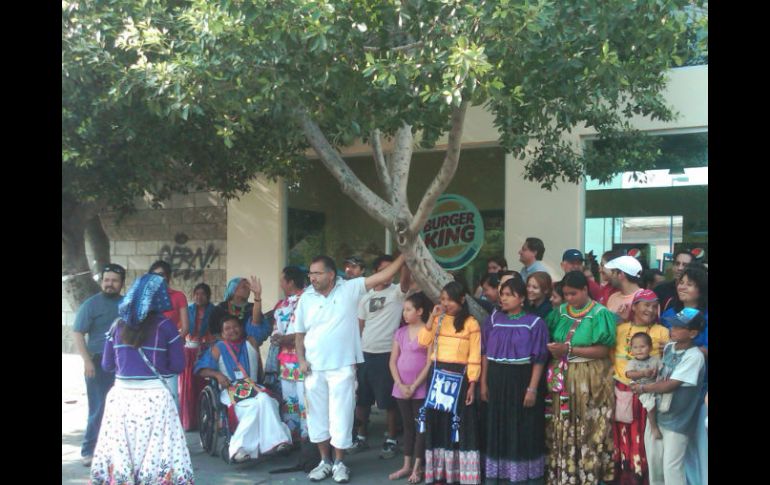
657,209
323,220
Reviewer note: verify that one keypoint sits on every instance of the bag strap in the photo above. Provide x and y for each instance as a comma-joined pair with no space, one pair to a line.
154,370
237,362
435,345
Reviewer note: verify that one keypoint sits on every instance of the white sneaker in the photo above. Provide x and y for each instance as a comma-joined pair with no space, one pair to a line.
341,473
321,472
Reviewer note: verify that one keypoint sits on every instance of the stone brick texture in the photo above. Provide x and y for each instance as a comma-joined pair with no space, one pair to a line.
189,231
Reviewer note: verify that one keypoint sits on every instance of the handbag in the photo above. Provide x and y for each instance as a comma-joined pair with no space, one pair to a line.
443,392
624,412
241,389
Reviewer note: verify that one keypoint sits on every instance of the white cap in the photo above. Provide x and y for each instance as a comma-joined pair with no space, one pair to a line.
627,264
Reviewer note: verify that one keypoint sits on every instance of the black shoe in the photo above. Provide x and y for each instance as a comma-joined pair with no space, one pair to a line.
388,449
359,445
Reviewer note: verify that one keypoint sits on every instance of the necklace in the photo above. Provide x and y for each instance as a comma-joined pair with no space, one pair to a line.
237,310
516,316
581,312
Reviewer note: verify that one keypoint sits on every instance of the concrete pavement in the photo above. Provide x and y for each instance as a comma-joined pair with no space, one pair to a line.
366,467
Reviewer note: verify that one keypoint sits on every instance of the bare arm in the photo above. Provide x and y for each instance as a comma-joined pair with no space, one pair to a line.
256,289
299,343
637,374
361,325
215,374
531,394
591,352
661,387
394,353
184,320
423,376
385,275
705,351
80,345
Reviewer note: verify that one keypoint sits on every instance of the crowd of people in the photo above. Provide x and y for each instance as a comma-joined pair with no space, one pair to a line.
598,378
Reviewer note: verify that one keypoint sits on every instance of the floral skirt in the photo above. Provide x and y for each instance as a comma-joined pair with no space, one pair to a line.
579,443
141,440
515,435
630,456
293,410
447,461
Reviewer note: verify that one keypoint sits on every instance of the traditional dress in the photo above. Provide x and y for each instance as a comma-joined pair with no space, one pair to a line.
260,429
515,435
630,457
446,460
190,384
141,439
292,380
579,424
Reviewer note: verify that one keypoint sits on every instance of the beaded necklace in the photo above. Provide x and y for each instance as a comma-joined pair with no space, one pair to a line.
582,312
516,316
241,310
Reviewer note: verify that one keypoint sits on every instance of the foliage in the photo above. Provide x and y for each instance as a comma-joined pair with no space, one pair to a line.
163,95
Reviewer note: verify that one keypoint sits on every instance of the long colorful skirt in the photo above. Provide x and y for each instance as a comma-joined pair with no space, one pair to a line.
190,387
630,457
579,442
515,435
141,439
446,461
293,411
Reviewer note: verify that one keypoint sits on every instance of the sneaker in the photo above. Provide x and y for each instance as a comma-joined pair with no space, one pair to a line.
359,445
341,473
86,460
388,448
321,472
240,456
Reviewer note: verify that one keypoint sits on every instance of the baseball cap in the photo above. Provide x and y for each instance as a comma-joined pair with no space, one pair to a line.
572,255
627,264
691,318
644,295
355,260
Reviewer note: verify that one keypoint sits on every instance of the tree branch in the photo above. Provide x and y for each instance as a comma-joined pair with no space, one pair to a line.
400,48
351,185
382,166
399,167
445,174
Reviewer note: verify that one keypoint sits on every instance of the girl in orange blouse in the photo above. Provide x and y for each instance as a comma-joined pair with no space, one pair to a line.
453,339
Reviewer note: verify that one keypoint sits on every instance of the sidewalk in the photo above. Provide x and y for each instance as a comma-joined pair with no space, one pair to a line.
366,467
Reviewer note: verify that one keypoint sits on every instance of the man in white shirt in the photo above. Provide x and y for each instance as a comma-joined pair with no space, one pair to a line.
328,348
379,316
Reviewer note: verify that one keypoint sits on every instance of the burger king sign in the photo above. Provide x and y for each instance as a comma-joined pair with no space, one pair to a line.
454,233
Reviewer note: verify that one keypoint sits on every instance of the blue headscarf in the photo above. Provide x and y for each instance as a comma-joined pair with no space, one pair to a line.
148,293
231,286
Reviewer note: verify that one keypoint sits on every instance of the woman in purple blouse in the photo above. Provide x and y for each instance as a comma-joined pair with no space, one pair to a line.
514,353
141,439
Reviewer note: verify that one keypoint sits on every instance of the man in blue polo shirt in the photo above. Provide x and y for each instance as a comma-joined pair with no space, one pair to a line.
94,317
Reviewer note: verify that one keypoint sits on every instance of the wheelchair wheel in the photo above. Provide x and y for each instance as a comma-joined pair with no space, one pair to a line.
208,421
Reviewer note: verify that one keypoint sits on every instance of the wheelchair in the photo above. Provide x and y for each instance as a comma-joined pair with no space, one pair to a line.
215,423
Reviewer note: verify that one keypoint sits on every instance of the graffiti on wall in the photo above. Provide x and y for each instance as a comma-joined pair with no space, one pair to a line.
188,263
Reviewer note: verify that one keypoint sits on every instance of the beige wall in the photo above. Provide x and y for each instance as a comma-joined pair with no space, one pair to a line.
256,235
557,217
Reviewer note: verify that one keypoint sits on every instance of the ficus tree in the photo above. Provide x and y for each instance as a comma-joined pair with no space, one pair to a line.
166,95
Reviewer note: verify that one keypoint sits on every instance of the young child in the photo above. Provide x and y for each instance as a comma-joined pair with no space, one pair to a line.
681,376
643,369
408,367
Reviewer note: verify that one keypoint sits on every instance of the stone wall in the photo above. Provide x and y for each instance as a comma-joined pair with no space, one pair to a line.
189,231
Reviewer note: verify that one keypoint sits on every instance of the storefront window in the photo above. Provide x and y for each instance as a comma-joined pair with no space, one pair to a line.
658,209
323,220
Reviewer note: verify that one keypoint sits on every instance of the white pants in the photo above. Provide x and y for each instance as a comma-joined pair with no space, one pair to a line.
665,457
260,428
331,401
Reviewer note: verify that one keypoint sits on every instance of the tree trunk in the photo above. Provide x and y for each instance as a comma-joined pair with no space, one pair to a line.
77,280
430,276
97,244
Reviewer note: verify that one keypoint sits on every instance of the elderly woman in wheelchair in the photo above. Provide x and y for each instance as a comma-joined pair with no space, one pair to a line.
234,363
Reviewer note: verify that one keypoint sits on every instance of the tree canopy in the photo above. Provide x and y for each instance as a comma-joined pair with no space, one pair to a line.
159,96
